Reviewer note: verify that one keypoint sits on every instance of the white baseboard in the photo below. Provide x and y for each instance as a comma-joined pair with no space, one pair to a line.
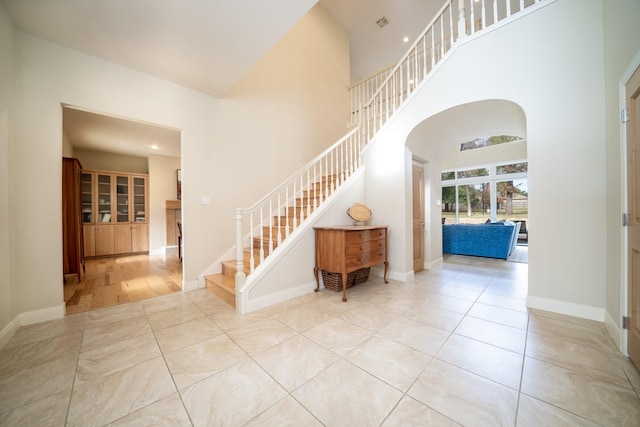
43,315
9,331
281,296
428,265
614,330
29,318
393,275
190,286
568,308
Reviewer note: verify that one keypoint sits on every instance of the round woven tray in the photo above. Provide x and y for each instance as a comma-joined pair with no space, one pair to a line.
359,213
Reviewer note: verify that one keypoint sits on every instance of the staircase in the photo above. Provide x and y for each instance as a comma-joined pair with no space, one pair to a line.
223,284
262,229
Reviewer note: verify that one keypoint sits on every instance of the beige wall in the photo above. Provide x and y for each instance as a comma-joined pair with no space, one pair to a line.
290,106
98,160
49,75
162,187
622,50
8,306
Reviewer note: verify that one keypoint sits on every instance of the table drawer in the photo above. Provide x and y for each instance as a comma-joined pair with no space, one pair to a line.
364,247
363,259
365,235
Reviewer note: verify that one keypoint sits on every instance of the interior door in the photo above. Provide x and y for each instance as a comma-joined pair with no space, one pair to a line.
418,218
632,94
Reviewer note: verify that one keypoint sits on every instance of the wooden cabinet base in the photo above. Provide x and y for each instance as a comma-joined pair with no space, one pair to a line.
345,249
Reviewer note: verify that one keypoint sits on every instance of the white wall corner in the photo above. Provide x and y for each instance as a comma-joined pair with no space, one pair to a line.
9,331
568,308
614,330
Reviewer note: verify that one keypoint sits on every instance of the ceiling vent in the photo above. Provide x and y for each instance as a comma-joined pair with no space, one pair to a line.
382,21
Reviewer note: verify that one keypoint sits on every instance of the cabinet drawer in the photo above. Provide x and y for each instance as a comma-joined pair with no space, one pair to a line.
364,235
364,247
363,259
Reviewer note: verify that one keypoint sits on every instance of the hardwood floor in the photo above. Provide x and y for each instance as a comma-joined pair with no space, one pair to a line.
110,281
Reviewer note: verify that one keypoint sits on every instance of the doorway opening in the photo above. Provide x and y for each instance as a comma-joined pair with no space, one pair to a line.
126,173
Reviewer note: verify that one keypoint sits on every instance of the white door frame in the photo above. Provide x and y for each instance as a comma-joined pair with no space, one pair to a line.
624,161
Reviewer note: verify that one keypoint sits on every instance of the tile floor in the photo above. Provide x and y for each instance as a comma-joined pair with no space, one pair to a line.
456,346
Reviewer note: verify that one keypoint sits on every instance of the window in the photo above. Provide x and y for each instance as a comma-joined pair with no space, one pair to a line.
470,173
446,176
512,200
488,141
475,195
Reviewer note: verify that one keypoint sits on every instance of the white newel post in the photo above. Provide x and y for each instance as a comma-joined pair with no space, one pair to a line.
462,27
240,277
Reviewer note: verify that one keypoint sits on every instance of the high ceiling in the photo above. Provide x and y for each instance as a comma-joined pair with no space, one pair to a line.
373,48
207,45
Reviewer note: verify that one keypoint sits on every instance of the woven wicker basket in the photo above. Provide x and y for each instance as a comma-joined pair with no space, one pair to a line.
361,276
333,281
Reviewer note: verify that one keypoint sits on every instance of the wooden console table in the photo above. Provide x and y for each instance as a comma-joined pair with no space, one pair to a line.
343,249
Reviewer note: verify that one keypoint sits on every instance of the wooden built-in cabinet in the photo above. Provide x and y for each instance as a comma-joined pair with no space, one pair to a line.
114,213
72,235
343,249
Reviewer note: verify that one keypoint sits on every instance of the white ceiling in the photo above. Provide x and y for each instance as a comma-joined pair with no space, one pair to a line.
206,45
373,48
97,132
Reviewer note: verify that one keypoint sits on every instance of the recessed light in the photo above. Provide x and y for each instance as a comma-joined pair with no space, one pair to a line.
405,39
155,147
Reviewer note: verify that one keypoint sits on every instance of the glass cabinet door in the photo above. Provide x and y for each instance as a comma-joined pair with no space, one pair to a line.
86,189
140,199
122,198
104,198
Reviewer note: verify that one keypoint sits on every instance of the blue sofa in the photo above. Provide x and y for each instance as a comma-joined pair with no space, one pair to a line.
494,240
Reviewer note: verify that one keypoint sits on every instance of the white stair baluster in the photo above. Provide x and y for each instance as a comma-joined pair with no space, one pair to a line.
239,249
280,225
424,56
326,180
484,16
271,227
286,206
417,68
450,24
386,97
441,36
261,237
359,152
340,164
251,260
472,18
302,197
333,182
495,11
315,189
308,195
295,213
433,49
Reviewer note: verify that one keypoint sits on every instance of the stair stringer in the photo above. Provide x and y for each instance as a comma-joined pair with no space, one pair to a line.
288,272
